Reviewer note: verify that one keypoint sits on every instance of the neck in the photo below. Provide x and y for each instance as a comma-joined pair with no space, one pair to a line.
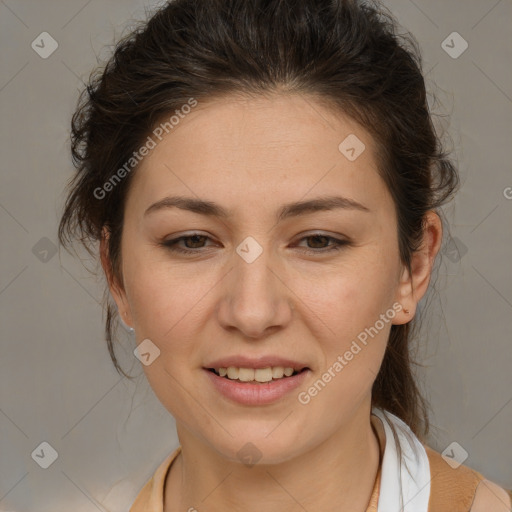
335,475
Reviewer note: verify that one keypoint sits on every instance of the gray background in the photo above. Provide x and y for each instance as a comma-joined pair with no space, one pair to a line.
57,383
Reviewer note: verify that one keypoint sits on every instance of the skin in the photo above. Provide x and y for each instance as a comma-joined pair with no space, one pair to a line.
490,496
251,156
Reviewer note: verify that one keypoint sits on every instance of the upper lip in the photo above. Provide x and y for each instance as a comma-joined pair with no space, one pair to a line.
260,362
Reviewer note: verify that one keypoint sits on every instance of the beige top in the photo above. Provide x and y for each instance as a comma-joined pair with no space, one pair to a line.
151,497
451,490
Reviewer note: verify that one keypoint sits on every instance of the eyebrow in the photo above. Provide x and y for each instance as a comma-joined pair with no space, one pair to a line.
288,210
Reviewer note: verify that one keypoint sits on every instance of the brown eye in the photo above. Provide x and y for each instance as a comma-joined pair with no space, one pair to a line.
319,244
318,241
196,241
193,244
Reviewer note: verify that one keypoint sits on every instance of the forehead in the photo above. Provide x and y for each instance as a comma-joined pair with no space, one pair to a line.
251,150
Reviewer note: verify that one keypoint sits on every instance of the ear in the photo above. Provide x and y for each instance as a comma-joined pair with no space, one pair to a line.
116,289
413,285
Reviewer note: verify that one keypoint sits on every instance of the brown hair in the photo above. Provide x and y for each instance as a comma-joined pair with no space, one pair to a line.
345,53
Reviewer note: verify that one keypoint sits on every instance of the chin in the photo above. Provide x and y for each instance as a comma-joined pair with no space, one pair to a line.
252,447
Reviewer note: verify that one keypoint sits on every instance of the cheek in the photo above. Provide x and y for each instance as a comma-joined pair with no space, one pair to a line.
349,311
161,293
352,351
349,297
167,309
166,305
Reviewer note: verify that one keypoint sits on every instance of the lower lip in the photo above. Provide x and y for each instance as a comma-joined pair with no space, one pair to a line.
248,393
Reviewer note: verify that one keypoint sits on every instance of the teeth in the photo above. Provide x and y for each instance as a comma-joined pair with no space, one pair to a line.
258,375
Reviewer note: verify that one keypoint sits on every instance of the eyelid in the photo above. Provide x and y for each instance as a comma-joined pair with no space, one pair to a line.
306,234
188,234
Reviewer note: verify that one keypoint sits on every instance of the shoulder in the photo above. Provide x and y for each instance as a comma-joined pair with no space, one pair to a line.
151,496
490,496
458,487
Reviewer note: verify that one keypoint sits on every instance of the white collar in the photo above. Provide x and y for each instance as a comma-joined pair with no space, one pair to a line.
405,482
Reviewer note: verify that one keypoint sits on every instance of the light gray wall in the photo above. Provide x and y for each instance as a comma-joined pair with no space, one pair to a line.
56,380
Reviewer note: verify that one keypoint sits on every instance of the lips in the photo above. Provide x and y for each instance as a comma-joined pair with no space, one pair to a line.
254,393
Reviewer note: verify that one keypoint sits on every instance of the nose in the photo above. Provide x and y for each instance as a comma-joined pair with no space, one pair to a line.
256,298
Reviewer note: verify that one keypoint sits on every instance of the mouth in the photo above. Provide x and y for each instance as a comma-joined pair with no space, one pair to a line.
256,386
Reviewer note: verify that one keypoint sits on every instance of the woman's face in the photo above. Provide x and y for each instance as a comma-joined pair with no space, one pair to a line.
258,283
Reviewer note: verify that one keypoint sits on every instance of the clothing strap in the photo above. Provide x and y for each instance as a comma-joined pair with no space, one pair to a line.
374,499
452,490
381,439
405,480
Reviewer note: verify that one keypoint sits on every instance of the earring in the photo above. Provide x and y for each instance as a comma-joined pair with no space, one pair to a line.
131,330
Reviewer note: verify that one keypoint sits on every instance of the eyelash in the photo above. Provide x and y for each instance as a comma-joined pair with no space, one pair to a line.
338,244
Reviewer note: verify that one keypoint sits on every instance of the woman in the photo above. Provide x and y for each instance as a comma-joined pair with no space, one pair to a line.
264,180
